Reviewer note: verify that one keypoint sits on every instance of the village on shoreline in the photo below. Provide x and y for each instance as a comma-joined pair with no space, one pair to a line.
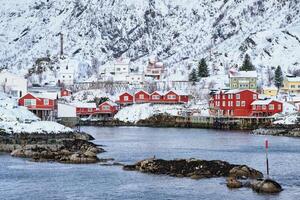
135,100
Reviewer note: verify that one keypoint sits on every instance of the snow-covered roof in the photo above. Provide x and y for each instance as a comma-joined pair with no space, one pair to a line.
293,79
243,74
262,102
179,92
158,92
84,105
110,103
270,88
141,91
45,95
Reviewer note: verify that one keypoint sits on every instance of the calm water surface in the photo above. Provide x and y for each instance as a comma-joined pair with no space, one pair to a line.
21,179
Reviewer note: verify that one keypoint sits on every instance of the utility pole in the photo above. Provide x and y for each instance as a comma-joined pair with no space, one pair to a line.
267,160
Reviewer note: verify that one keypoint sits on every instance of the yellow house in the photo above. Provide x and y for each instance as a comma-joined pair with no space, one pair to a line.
270,91
291,85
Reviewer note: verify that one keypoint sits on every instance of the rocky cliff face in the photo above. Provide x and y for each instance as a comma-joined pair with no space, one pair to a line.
176,31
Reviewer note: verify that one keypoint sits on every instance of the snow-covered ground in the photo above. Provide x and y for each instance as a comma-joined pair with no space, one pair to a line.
137,112
16,119
288,120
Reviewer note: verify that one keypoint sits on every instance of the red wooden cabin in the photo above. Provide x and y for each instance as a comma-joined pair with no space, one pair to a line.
175,97
108,107
232,102
141,97
41,106
65,92
263,108
125,98
85,109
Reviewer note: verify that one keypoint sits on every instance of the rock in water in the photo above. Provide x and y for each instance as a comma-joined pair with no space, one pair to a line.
266,186
233,183
65,148
244,172
193,168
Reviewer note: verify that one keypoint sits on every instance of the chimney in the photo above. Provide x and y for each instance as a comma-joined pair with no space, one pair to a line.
61,45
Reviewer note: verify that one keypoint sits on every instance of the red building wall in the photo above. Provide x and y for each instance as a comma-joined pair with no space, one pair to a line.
260,110
112,109
230,104
40,103
122,98
146,98
167,99
158,100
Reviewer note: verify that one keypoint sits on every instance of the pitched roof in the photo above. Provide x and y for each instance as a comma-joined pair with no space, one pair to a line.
83,105
262,102
293,79
243,74
110,103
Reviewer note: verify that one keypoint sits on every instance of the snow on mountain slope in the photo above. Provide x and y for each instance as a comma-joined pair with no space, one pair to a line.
177,31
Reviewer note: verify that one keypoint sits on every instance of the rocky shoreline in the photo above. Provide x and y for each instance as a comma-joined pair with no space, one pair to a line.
237,175
69,147
278,131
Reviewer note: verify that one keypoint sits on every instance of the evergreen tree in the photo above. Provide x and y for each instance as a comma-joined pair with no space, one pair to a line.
278,77
202,68
193,76
247,64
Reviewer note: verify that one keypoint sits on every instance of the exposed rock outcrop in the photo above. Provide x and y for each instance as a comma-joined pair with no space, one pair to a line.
64,147
193,168
289,131
266,186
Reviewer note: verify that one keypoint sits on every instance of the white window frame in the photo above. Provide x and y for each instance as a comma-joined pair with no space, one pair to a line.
254,96
141,96
238,103
46,102
238,96
106,107
126,98
243,103
271,107
171,96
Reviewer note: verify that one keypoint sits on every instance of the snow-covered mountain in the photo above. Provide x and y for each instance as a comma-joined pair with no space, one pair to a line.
178,32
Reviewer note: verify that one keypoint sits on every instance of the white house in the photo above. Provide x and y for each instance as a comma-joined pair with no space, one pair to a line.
13,84
154,69
121,66
135,78
66,72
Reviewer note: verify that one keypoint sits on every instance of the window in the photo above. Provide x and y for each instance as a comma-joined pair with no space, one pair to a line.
228,103
118,69
254,107
90,109
238,96
271,107
63,76
156,97
126,98
254,96
264,107
29,102
279,106
293,86
171,97
141,96
238,103
106,107
224,104
243,103
46,102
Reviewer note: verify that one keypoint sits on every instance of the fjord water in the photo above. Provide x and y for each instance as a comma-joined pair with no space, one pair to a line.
21,179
